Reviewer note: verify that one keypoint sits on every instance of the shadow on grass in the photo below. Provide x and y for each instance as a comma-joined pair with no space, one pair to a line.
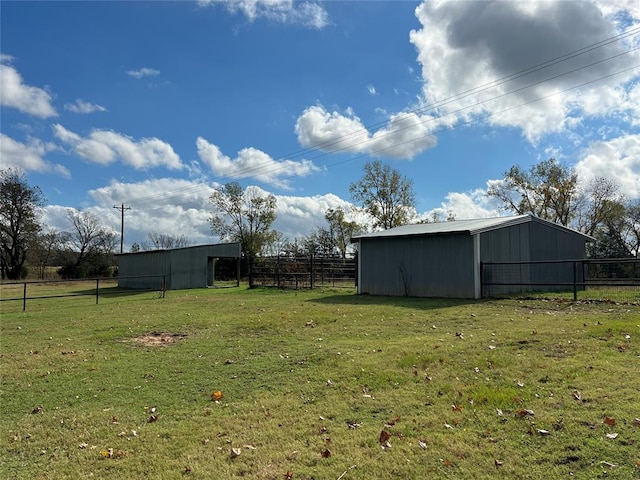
407,302
113,292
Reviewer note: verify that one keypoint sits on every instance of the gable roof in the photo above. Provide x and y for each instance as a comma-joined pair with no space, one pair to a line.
472,227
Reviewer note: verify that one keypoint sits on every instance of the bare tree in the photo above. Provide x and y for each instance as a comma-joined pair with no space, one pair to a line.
90,246
164,241
599,203
44,249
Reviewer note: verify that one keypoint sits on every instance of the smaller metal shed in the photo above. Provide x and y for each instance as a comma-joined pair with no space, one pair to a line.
179,268
444,259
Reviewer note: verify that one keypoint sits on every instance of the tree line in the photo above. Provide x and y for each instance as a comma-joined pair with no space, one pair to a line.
549,190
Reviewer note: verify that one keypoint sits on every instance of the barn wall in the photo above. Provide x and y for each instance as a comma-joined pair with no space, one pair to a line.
419,266
549,243
182,267
531,242
144,265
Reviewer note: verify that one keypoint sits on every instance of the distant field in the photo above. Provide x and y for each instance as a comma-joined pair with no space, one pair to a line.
320,384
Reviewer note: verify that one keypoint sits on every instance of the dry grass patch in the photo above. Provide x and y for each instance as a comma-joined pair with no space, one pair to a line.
158,339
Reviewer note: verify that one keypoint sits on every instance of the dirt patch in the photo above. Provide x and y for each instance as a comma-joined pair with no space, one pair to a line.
158,339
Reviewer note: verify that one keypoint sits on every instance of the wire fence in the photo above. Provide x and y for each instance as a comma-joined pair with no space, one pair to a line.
304,272
616,280
27,291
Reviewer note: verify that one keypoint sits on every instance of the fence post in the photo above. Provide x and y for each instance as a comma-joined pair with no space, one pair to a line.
97,289
575,282
24,297
311,280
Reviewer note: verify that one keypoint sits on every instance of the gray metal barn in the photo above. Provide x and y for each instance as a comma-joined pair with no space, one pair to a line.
188,267
443,259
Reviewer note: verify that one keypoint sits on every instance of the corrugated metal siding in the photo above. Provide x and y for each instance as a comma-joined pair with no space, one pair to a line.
530,242
421,266
147,264
182,267
548,243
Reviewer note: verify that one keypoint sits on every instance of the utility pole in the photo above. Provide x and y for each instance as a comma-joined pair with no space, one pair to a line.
122,208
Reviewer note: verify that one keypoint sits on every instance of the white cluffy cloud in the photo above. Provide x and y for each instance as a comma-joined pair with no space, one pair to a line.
253,163
309,14
501,55
404,136
143,72
617,159
187,210
81,106
28,157
105,147
16,94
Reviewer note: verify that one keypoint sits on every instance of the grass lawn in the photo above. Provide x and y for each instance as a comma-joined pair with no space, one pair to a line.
319,384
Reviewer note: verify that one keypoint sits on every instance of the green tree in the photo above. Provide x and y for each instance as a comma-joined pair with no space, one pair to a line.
548,190
341,230
385,194
244,216
19,225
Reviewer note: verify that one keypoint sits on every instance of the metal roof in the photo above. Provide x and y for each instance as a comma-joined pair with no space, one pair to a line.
472,227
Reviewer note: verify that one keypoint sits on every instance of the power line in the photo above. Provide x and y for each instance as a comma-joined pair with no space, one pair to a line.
268,168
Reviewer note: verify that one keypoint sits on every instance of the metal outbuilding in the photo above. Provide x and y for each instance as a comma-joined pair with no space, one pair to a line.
179,268
444,259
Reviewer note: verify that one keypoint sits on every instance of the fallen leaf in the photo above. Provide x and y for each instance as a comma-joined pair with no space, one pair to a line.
446,425
612,435
152,419
499,412
235,452
386,445
577,395
635,422
325,453
456,408
543,432
217,396
523,412
108,453
447,462
83,445
391,423
187,469
608,464
38,409
422,444
384,436
497,463
288,475
250,447
609,421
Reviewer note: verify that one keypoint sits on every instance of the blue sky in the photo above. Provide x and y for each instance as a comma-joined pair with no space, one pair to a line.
155,104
